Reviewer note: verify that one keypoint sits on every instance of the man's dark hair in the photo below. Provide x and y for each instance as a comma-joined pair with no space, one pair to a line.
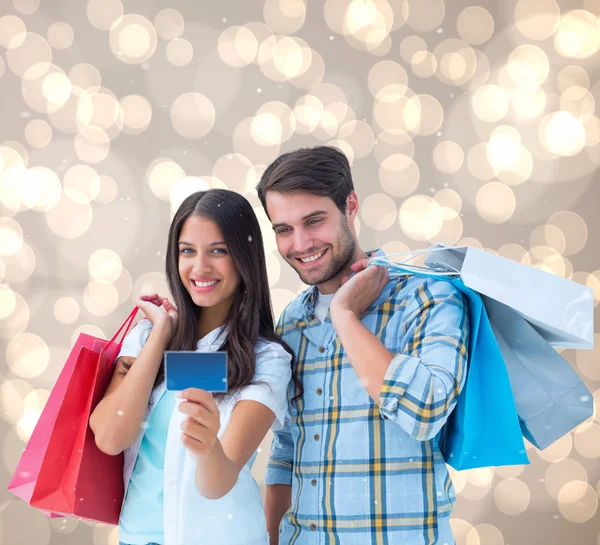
322,170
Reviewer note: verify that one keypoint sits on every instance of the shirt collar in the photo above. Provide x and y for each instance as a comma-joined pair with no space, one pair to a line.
215,337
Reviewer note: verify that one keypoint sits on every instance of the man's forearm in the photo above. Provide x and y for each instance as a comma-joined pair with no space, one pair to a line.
278,500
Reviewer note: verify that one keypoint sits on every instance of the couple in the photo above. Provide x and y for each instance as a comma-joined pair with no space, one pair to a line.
356,382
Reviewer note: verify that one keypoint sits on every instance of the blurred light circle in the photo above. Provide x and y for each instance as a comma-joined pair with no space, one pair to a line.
192,115
8,298
411,46
179,52
490,103
571,76
38,133
537,19
88,329
449,199
425,15
421,218
11,237
359,136
84,180
577,502
183,188
560,473
528,102
273,268
424,64
19,266
108,190
232,169
137,113
557,451
485,534
528,66
85,77
238,46
379,211
461,529
17,321
71,217
495,202
27,355
161,175
578,34
448,157
475,25
103,14
66,310
60,35
133,39
512,497
573,228
148,283
284,16
399,175
509,472
100,298
587,441
169,24
105,265
12,31
387,81
31,58
92,145
266,129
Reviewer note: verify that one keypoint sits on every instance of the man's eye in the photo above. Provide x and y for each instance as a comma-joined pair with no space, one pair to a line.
283,230
312,222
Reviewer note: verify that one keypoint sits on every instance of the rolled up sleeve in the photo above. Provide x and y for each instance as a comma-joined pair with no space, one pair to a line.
422,384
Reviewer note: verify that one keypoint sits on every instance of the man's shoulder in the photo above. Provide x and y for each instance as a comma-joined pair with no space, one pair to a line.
420,289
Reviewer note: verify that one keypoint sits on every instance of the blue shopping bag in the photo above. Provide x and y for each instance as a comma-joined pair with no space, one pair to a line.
483,430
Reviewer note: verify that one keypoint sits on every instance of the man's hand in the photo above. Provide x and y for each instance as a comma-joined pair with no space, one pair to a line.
358,293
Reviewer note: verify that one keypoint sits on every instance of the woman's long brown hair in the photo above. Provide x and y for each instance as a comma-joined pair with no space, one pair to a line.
251,316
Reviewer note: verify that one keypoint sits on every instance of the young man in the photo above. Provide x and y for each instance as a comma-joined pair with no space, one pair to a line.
382,363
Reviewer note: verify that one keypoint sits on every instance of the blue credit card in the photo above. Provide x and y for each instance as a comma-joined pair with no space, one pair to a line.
204,370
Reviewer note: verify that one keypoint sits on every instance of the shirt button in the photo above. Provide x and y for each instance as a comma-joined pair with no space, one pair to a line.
311,316
313,527
314,482
317,437
319,391
321,349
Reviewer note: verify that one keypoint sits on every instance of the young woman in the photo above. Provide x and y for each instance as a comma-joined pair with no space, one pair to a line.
188,460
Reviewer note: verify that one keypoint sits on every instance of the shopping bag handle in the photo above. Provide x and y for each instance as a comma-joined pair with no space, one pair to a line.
406,267
127,325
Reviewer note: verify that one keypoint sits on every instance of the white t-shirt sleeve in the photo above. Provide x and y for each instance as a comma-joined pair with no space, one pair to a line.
135,340
273,375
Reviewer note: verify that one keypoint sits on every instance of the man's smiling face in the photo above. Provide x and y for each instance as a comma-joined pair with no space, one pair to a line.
312,234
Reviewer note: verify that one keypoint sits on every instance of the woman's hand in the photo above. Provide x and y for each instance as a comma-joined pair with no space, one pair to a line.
160,311
201,427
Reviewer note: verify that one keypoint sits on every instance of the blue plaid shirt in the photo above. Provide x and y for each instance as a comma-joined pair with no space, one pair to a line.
363,473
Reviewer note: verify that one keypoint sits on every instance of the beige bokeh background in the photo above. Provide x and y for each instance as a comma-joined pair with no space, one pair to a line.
467,122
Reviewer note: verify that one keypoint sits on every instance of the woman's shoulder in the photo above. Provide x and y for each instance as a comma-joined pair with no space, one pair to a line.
136,338
266,348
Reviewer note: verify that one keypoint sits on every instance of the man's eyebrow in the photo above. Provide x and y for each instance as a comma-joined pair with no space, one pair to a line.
315,213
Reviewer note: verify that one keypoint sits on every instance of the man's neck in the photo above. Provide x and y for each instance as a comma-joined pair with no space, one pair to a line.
331,286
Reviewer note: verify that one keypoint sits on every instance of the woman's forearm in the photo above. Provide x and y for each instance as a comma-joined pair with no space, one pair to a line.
216,474
117,419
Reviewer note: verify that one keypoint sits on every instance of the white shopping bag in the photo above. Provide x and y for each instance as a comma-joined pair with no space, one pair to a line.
559,309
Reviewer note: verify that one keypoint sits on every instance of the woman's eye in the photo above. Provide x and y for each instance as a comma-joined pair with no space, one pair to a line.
220,250
185,250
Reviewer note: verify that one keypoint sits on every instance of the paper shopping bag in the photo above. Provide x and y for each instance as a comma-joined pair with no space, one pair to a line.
550,397
50,469
559,309
483,429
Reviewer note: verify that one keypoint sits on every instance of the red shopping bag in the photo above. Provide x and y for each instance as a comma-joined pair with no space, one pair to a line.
61,471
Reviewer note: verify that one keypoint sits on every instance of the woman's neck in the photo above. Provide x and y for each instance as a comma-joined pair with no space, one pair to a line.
212,317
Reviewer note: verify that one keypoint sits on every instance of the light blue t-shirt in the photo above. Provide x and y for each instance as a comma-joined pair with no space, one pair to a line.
141,519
